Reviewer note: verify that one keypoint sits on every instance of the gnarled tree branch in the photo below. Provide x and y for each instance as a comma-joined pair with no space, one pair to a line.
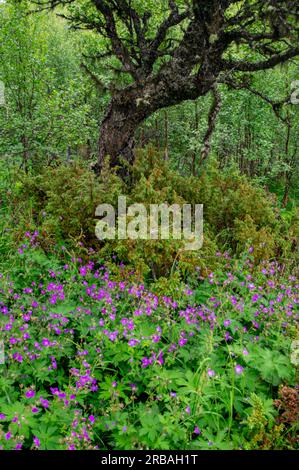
214,111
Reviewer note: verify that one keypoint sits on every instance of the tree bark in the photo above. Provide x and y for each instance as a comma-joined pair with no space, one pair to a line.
118,128
214,111
128,108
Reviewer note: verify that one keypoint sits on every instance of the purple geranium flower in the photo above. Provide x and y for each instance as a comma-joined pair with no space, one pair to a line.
91,419
30,394
239,369
36,441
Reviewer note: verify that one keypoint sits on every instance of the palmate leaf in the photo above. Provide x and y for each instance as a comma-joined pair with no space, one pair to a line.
276,367
15,409
64,309
220,441
47,436
151,426
273,366
23,428
6,387
119,355
239,404
189,384
172,376
202,294
24,415
254,381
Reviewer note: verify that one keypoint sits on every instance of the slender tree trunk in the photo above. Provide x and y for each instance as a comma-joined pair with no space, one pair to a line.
214,111
196,125
288,174
142,138
68,154
157,134
24,140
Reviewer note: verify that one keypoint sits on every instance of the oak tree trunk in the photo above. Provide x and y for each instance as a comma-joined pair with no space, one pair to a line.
118,129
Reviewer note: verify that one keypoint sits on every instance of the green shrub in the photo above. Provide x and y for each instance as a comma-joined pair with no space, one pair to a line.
62,203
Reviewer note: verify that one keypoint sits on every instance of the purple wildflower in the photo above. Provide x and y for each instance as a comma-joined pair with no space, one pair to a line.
30,394
36,442
239,369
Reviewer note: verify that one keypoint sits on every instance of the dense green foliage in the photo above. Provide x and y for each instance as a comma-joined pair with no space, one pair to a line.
96,360
241,214
53,108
